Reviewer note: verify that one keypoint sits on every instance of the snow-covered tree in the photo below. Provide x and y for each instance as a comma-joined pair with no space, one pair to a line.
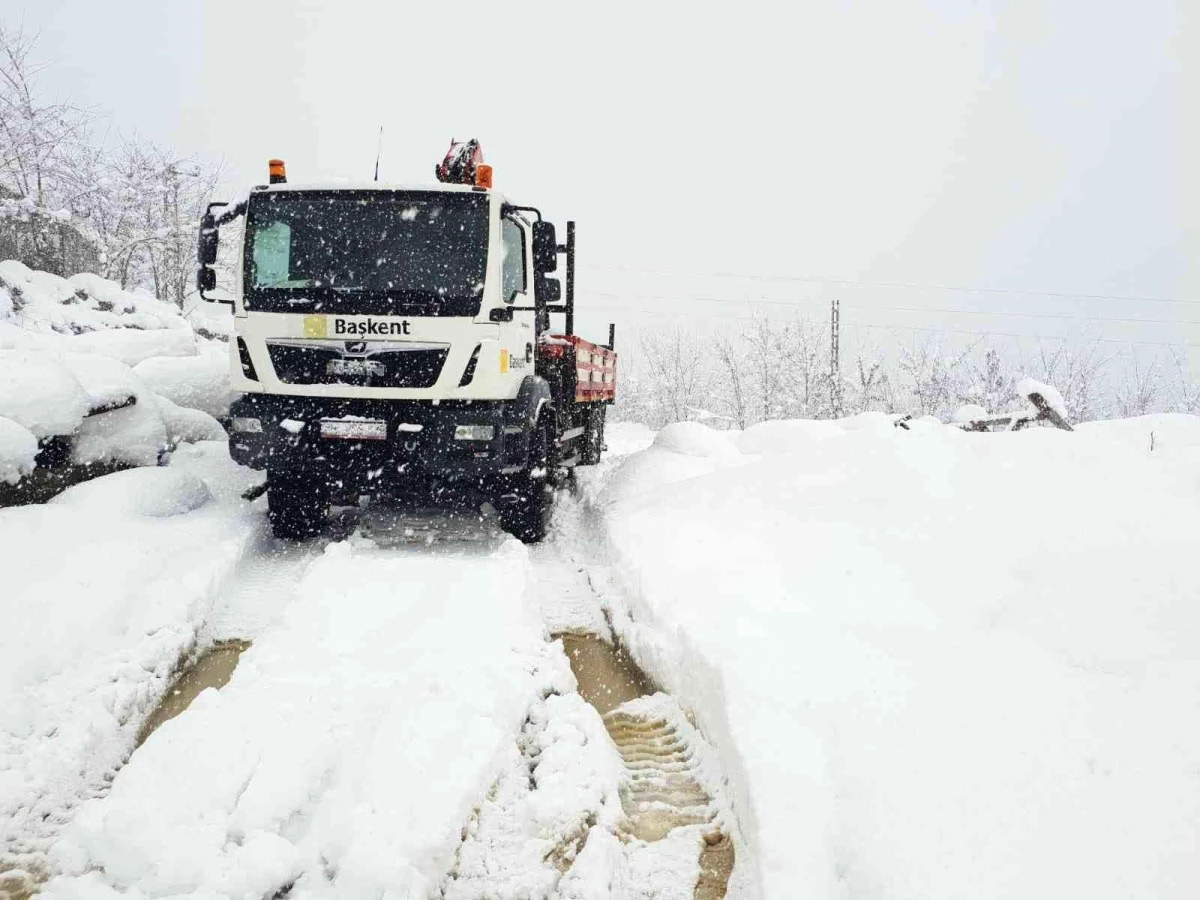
1075,369
677,377
1184,389
145,213
137,202
39,140
988,382
1138,391
932,376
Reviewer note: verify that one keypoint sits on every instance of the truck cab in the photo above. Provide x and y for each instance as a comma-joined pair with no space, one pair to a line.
394,341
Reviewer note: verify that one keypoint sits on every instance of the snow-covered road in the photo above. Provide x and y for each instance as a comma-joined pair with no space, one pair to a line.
903,664
402,723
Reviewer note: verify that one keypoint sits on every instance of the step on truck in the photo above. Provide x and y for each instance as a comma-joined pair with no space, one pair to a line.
396,342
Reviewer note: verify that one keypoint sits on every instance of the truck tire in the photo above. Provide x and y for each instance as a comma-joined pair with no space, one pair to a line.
529,496
593,437
296,506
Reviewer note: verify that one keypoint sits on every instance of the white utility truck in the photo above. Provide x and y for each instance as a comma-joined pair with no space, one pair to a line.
395,341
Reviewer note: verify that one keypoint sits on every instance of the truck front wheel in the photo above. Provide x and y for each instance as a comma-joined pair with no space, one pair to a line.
296,505
528,497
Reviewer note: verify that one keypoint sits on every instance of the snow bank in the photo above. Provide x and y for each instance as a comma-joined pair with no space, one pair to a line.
101,598
43,302
158,493
66,348
935,663
38,392
694,439
134,347
418,717
198,382
49,329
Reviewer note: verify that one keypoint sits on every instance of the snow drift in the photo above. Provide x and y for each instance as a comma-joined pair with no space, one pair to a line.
938,664
67,350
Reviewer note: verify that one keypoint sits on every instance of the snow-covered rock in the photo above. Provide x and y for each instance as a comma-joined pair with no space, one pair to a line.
66,349
199,382
43,302
18,448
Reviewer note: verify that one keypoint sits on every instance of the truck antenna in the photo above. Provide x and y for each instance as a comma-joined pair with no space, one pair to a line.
378,152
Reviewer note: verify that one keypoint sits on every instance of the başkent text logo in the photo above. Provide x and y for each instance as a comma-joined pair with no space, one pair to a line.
371,327
318,327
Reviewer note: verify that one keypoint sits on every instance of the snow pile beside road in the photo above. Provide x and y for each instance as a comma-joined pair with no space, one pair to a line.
198,382
936,663
104,591
43,303
350,746
46,393
66,349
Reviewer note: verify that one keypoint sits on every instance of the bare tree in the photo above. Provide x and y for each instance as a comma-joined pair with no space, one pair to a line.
137,202
735,385
933,376
1185,388
38,140
804,352
988,382
871,388
1075,369
677,376
146,219
1138,392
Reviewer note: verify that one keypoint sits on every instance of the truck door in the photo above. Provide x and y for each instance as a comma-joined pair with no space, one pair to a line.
517,290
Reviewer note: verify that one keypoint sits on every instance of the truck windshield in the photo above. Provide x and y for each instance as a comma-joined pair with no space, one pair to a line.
360,252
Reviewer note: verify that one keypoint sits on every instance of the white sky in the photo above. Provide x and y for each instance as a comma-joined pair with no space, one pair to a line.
1037,145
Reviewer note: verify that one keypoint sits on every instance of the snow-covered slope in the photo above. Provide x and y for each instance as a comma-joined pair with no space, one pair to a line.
937,664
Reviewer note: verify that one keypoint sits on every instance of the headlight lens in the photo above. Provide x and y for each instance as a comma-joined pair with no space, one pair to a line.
474,432
253,426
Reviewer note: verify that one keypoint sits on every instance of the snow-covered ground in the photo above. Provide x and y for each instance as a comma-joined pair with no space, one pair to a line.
104,591
936,664
922,663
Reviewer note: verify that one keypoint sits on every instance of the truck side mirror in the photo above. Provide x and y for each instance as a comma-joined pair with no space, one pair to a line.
206,279
206,252
545,248
549,290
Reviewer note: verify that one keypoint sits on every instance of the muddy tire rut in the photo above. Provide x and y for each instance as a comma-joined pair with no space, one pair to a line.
663,792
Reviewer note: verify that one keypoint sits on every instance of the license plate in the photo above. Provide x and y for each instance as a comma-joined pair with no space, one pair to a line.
354,429
355,367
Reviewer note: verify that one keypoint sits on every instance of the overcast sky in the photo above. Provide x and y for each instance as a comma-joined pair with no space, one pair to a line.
1034,146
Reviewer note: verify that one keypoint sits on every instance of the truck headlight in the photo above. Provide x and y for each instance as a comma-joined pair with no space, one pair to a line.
474,432
252,426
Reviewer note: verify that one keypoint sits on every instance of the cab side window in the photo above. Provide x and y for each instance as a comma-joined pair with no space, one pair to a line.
513,239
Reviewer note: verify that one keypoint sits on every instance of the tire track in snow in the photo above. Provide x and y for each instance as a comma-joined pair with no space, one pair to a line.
655,823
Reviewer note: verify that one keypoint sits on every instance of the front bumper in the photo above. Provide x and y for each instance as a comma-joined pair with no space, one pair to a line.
420,439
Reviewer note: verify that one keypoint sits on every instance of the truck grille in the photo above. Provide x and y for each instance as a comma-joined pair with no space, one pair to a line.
384,366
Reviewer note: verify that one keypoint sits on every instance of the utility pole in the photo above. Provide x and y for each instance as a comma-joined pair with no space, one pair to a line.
835,364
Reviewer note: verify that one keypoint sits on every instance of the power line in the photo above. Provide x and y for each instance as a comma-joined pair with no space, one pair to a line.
914,309
1062,295
937,330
